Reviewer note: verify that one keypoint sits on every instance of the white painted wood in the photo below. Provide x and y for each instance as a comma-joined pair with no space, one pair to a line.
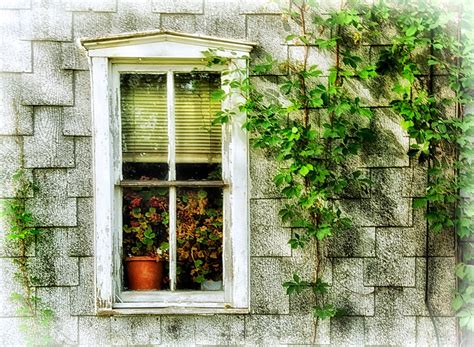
103,182
168,297
116,136
163,44
155,53
126,311
239,199
171,176
227,260
158,67
151,50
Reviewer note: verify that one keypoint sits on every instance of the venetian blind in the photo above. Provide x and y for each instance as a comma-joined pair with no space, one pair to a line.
197,140
144,118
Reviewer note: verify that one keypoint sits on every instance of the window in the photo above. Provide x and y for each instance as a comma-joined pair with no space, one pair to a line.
164,172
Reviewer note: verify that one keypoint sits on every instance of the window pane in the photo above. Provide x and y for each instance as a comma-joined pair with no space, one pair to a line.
144,118
199,238
145,171
146,233
199,172
197,140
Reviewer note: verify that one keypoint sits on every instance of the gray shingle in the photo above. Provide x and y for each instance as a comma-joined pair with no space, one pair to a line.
348,291
48,85
8,286
48,147
82,237
14,117
94,330
176,6
445,327
347,331
92,24
178,22
220,330
355,242
50,205
221,19
268,295
390,331
268,31
47,20
91,5
83,295
16,56
178,328
79,178
135,15
15,4
63,326
77,119
73,57
10,150
52,266
136,330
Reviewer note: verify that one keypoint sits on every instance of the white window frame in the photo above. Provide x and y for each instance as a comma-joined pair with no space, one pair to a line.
164,52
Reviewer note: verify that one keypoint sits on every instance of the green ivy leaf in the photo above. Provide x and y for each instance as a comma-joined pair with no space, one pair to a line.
419,202
458,302
466,319
320,287
411,30
324,312
218,95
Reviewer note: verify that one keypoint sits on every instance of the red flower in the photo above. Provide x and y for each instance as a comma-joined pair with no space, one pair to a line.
155,218
136,202
154,201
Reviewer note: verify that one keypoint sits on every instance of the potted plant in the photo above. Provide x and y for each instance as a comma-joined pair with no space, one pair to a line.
145,237
200,236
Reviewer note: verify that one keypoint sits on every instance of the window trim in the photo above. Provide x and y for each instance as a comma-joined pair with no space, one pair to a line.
142,50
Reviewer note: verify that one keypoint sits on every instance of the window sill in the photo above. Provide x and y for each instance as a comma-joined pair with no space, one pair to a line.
115,311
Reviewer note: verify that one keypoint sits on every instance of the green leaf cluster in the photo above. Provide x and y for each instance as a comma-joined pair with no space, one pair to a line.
313,125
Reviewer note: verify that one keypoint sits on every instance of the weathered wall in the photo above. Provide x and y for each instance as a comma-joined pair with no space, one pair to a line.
377,269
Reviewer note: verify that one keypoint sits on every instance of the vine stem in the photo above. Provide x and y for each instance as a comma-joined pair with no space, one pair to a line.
302,9
303,91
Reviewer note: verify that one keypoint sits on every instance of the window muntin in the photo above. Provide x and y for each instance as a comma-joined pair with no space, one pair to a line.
187,169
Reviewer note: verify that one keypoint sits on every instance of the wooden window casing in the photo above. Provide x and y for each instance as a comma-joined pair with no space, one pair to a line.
164,53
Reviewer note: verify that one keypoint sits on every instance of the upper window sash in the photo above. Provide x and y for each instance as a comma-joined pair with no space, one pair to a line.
168,71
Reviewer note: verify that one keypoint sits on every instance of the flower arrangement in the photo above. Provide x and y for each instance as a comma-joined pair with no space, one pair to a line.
199,235
199,231
146,222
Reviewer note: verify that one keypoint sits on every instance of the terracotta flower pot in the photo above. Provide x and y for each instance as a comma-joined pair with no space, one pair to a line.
144,273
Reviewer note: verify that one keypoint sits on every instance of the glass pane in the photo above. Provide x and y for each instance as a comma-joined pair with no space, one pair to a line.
199,238
197,140
144,121
198,171
146,234
145,171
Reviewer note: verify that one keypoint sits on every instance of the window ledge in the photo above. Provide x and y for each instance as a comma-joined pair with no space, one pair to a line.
170,310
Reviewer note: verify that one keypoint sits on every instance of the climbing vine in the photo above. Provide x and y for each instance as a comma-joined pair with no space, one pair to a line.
22,234
315,123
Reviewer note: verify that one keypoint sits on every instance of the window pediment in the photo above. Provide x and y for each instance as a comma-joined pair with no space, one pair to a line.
152,44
